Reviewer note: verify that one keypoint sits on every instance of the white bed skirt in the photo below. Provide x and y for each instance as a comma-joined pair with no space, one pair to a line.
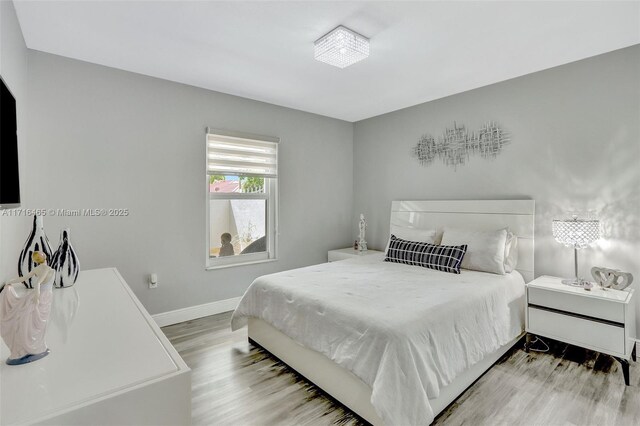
342,384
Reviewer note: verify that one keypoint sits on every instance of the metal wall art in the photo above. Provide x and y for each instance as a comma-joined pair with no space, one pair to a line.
456,145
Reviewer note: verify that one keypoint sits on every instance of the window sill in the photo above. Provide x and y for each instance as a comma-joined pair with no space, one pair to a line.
233,265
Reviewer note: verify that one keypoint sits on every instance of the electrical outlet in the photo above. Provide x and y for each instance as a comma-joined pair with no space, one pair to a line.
153,281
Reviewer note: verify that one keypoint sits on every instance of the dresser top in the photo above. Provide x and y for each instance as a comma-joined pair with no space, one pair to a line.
546,282
102,342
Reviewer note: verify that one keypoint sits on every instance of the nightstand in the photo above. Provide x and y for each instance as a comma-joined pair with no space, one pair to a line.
600,320
347,253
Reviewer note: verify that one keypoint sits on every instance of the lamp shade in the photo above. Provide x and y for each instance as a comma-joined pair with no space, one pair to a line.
576,233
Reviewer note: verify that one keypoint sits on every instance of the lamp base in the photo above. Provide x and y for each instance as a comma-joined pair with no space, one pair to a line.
577,282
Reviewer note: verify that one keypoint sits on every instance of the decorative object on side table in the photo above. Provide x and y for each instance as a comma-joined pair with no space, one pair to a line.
24,316
578,234
65,262
611,278
37,241
362,225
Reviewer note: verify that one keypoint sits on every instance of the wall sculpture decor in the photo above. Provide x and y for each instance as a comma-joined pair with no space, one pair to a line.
456,145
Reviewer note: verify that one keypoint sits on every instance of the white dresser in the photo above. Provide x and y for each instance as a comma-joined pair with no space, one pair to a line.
600,320
109,364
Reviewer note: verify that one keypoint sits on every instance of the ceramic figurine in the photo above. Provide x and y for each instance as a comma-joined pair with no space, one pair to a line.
362,243
37,241
65,262
24,314
611,278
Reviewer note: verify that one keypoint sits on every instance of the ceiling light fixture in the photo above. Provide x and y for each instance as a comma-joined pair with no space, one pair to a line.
341,47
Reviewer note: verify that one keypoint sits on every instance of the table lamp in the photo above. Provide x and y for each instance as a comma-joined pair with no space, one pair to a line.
576,233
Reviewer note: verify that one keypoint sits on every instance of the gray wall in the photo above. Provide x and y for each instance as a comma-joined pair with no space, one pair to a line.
575,147
13,69
104,138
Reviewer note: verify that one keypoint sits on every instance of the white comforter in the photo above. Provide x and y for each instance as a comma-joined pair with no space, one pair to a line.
406,331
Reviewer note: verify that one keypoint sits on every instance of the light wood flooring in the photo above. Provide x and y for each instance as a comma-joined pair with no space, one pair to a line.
235,383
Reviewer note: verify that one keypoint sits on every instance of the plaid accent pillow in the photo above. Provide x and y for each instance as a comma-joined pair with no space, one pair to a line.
440,258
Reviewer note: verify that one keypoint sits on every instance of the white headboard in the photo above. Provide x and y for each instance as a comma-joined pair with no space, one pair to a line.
488,215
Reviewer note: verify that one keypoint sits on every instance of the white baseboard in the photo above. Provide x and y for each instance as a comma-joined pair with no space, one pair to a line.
193,312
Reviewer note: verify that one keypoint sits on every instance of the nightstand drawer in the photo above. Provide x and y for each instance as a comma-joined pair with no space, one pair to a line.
335,255
348,253
592,307
594,335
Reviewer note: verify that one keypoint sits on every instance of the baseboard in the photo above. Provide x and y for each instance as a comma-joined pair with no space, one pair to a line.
194,312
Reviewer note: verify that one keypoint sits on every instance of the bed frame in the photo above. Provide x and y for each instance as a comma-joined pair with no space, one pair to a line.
343,385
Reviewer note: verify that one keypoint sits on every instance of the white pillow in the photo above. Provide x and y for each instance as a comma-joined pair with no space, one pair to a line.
485,249
412,234
511,253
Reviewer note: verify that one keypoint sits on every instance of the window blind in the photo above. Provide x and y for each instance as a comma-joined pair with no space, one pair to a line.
233,155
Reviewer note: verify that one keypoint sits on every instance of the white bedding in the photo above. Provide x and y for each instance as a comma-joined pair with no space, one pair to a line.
406,331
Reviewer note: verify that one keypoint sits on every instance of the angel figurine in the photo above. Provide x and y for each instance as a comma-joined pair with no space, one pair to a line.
24,315
362,225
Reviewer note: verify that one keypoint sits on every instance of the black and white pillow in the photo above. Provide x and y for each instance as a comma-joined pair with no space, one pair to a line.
440,258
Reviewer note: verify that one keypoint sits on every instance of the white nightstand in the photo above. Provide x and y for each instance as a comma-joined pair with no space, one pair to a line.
347,253
600,320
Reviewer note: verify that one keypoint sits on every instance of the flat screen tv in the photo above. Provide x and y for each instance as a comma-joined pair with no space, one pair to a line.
9,174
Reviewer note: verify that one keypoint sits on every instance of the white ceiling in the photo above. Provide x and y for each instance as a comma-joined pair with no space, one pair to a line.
420,51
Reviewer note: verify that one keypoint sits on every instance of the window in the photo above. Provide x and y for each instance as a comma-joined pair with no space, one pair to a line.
242,177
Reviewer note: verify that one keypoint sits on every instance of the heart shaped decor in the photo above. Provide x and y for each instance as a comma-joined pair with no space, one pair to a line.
611,278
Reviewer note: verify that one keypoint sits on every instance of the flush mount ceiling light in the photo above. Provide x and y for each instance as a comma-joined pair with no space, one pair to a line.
341,47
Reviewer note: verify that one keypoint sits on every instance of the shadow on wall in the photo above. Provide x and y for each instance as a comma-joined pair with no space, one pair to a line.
610,192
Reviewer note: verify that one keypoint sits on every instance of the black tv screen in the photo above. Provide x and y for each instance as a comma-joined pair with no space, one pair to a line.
9,175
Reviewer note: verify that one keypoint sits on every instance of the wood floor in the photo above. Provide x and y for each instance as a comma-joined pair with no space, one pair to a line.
235,383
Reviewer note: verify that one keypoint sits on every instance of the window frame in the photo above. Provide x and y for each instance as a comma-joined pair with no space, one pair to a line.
271,199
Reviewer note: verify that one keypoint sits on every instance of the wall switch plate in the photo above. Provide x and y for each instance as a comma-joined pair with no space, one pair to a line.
153,281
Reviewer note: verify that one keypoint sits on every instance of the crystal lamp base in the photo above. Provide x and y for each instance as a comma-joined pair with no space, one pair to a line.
578,282
575,282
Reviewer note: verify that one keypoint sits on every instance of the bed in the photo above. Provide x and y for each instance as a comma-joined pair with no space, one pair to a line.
395,343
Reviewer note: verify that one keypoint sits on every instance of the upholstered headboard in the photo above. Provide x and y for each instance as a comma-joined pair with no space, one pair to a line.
491,215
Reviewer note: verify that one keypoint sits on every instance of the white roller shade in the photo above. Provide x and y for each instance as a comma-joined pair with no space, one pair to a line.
233,155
